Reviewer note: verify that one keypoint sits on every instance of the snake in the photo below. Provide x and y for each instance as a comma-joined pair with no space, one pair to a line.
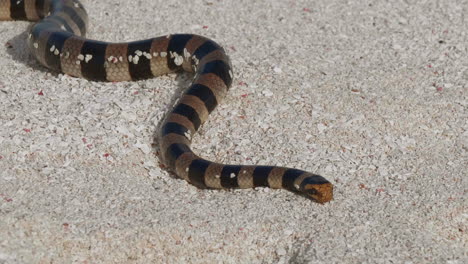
57,40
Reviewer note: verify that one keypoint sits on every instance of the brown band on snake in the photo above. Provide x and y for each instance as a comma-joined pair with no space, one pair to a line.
71,60
57,41
31,10
116,66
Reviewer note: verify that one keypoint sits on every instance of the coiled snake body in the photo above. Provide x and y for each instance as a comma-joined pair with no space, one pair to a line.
57,42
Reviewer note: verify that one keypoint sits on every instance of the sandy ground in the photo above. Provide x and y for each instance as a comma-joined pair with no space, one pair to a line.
370,94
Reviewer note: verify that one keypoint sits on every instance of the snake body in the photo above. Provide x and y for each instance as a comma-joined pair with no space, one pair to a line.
57,41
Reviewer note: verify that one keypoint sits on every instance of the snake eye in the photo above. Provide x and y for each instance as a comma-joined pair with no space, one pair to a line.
311,191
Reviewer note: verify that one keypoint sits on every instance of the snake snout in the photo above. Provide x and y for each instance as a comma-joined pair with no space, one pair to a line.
318,188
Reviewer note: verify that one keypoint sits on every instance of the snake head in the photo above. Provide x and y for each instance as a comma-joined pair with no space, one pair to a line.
317,188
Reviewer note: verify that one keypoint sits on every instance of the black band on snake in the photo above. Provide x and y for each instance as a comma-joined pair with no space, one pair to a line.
57,42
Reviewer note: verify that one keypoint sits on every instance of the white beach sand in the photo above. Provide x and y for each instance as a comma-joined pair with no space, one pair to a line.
370,94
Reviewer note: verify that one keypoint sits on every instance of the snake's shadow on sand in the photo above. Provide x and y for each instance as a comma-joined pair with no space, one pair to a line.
17,48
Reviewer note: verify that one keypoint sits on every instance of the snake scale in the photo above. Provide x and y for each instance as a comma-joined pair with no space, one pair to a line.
57,40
